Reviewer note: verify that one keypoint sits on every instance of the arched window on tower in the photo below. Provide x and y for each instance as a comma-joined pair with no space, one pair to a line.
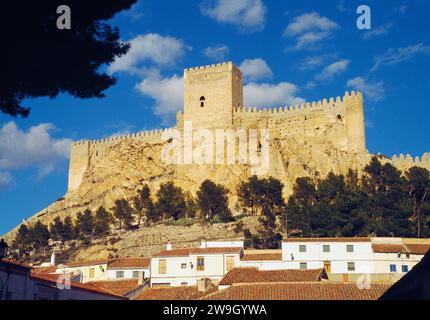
202,101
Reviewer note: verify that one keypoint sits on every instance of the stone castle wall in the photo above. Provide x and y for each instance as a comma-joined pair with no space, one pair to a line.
316,134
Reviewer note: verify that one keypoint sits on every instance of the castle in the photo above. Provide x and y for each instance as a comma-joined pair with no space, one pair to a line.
310,140
213,98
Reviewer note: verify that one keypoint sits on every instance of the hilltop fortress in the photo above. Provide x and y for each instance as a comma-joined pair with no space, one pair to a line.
311,139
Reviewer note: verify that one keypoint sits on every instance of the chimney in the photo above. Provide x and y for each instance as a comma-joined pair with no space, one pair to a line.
53,258
141,278
203,284
203,244
169,246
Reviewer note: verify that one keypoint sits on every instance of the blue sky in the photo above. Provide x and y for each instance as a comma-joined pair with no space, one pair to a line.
290,51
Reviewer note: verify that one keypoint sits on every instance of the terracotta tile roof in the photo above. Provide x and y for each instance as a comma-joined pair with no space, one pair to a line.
16,263
253,275
412,248
351,239
262,257
418,248
52,280
388,248
190,251
85,263
174,293
120,287
43,270
125,263
299,291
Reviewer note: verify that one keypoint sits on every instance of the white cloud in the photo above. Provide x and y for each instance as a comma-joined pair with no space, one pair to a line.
168,93
311,63
34,148
374,91
333,70
248,15
217,52
271,95
308,29
255,69
161,50
378,31
5,180
394,56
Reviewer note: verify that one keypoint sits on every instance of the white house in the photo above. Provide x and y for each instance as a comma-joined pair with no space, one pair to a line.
128,268
186,266
336,255
395,256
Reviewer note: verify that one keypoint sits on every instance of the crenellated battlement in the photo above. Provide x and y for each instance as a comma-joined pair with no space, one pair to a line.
324,104
138,135
209,66
406,161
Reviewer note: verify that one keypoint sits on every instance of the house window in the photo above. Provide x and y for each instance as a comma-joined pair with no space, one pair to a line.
92,273
302,248
135,274
202,102
200,263
393,268
183,266
120,274
349,248
162,266
405,268
351,266
303,265
326,248
184,284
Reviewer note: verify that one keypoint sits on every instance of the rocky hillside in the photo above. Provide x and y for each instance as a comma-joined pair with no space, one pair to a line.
145,241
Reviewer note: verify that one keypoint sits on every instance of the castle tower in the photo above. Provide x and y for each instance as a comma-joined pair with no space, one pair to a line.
211,93
355,122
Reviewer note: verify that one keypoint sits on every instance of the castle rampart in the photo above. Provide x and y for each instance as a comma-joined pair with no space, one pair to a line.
213,98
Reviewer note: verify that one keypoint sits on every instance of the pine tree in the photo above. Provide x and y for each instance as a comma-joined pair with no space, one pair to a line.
68,230
22,239
85,224
39,235
142,203
123,212
419,189
102,222
170,202
213,201
56,229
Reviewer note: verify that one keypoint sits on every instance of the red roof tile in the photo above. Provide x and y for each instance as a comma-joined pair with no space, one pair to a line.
190,251
253,275
85,263
388,248
120,287
174,293
262,257
124,263
52,280
351,239
417,248
299,291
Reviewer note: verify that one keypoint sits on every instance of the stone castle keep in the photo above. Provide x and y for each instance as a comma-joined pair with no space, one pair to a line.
311,140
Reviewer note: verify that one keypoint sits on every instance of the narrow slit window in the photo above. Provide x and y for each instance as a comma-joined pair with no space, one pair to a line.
202,102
